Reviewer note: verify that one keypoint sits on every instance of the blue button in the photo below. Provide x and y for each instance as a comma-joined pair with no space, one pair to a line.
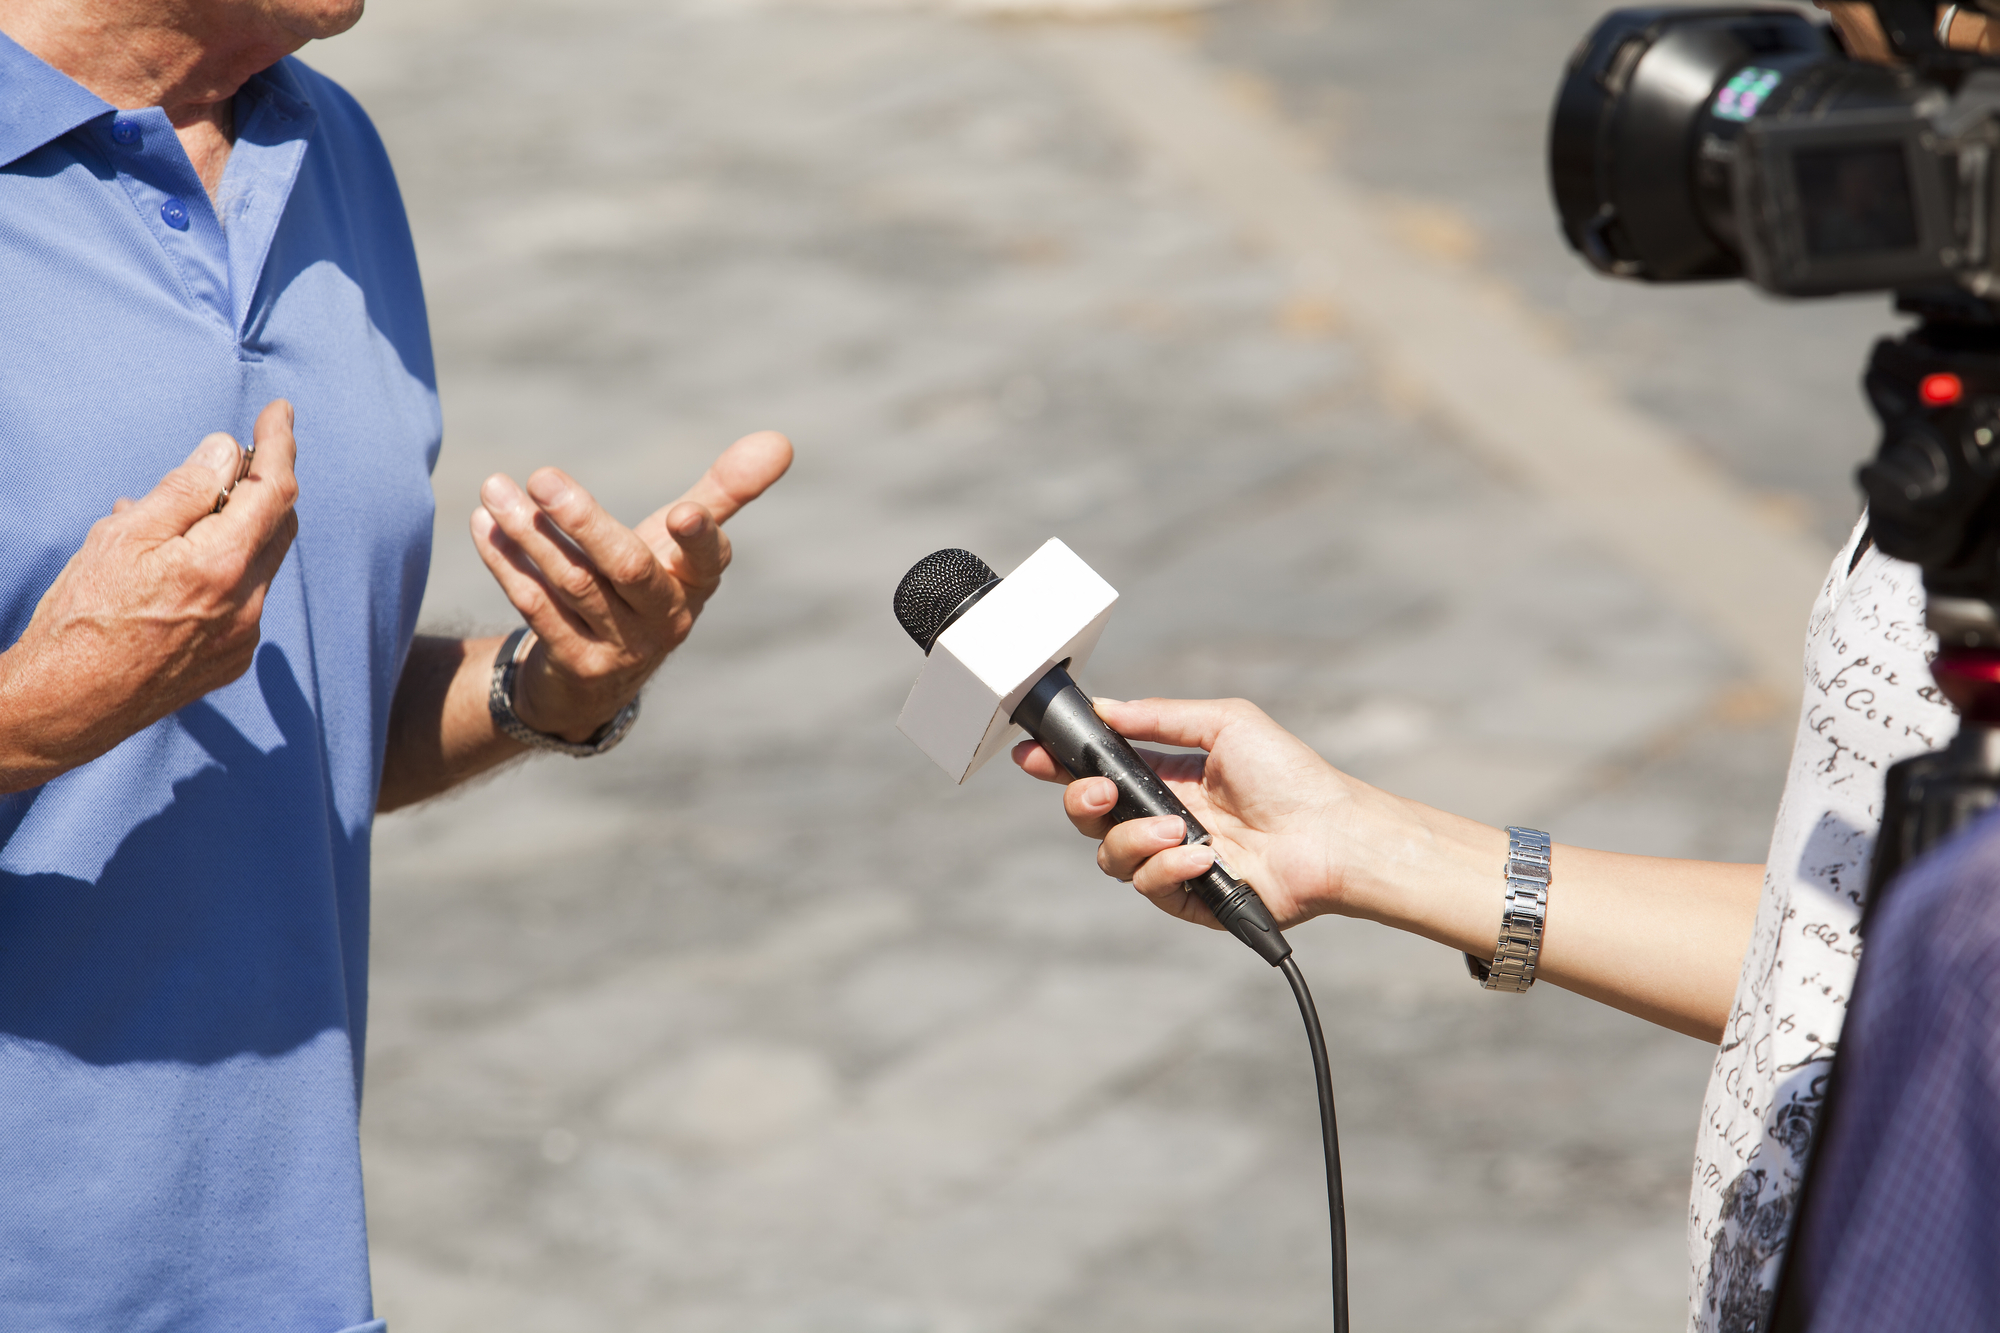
174,213
125,131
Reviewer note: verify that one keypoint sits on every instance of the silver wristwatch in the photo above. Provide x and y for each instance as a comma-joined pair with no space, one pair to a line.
500,703
1521,919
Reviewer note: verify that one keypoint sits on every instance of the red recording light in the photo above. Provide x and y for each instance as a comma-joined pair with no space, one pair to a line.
1940,390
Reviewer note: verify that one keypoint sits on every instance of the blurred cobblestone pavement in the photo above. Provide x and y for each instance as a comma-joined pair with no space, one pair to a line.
761,1025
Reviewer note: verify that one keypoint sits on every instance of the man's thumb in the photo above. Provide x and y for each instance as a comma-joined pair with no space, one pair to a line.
188,494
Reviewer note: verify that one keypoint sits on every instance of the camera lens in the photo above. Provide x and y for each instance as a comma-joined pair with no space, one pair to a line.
1641,145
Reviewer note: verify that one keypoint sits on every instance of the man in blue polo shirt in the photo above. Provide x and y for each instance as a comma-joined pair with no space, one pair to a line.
206,694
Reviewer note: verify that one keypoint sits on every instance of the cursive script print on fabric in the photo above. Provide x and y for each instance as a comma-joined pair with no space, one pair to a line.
1869,702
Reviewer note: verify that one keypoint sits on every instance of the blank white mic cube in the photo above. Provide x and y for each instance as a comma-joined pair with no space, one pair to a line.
1049,610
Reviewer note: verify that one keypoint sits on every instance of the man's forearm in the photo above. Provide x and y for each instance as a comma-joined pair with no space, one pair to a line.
440,729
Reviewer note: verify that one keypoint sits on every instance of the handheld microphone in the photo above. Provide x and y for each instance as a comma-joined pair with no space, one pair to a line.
998,654
947,590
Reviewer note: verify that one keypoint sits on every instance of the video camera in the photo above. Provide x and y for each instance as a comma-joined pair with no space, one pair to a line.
1741,141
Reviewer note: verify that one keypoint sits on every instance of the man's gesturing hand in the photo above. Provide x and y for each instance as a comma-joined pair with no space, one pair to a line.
608,603
159,607
1269,802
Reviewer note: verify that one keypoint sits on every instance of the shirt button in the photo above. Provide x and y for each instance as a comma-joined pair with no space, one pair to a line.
125,131
174,213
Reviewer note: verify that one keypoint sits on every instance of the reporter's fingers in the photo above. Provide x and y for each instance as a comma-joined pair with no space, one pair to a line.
1163,878
740,474
186,495
616,551
1037,762
1191,722
1127,846
1088,803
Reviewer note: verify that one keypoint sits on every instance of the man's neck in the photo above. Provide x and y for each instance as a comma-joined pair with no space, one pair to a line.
187,57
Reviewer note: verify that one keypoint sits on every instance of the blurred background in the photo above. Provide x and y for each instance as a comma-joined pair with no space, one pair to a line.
760,1024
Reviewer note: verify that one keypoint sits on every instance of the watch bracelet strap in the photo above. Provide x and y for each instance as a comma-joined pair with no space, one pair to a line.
1522,917
500,703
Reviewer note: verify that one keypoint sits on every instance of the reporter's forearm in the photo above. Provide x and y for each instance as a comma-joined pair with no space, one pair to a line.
1658,938
1661,939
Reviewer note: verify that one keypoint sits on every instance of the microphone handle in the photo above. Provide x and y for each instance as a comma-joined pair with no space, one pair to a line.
1060,716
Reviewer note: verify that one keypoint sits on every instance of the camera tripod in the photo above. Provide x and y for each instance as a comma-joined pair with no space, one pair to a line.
1934,500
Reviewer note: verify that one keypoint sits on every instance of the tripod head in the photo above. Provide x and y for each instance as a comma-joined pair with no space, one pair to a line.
1934,500
1933,487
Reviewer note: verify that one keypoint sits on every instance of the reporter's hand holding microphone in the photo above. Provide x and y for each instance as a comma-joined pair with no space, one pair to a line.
1659,938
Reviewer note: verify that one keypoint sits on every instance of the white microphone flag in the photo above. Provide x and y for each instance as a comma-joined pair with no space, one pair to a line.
1050,610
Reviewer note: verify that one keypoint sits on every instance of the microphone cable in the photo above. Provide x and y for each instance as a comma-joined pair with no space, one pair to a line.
1336,1203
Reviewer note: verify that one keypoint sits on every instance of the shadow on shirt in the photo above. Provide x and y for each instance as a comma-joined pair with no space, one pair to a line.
216,928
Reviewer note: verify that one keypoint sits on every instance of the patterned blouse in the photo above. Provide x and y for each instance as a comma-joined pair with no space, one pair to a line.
1869,702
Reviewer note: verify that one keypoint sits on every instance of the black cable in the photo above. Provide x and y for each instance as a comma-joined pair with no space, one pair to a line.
1336,1206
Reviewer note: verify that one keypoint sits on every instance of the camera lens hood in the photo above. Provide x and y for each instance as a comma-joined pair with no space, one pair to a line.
1631,125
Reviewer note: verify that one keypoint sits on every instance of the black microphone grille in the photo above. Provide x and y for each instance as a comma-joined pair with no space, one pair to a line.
937,590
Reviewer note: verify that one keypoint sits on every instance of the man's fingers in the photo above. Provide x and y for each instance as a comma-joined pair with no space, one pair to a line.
613,548
565,571
187,494
701,549
274,429
261,500
742,473
526,588
264,565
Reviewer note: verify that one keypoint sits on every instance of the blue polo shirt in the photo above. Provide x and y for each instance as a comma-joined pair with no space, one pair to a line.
184,922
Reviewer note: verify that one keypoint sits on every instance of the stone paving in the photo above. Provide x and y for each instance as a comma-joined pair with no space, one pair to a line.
760,1024
1442,105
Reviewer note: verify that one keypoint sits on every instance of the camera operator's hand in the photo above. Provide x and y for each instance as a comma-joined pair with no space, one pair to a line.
159,606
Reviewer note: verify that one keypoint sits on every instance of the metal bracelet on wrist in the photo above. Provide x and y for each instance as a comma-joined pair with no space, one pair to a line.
1522,918
500,702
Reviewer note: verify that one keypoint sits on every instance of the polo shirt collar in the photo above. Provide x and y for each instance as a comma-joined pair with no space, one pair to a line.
38,102
280,83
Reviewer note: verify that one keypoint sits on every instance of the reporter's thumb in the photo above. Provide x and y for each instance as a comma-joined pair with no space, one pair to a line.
189,493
